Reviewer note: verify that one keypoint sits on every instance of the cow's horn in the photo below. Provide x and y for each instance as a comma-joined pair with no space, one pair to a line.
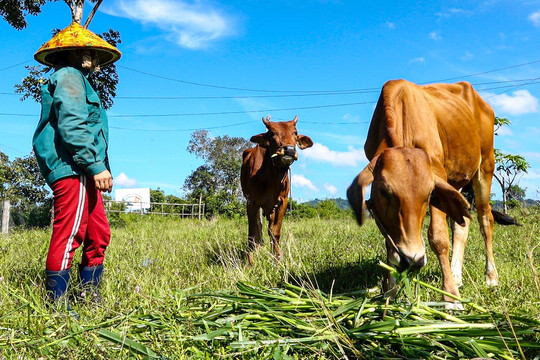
267,120
295,119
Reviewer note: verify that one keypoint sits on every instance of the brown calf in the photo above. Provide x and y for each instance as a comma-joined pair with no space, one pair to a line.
265,179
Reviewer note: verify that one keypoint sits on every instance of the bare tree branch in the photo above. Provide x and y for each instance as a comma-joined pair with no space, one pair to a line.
92,13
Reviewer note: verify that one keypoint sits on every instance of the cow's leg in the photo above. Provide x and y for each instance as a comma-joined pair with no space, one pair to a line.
440,244
254,229
274,227
482,188
459,239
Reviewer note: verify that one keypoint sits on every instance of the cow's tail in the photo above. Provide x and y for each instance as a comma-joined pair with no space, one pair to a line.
503,219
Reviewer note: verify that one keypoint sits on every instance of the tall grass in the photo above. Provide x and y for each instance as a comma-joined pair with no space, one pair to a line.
155,266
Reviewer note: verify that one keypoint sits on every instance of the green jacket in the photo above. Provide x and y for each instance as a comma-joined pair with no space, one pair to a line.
73,131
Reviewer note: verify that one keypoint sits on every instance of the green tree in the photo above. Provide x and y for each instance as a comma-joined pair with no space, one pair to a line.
157,196
302,210
329,209
105,81
23,191
508,170
515,196
217,181
500,122
158,200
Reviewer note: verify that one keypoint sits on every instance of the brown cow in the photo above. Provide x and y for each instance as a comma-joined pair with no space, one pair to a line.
424,144
265,179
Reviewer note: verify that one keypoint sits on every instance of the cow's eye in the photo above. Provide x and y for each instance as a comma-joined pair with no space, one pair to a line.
384,192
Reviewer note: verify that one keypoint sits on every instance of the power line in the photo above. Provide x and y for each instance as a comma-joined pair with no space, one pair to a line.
289,93
313,91
330,93
232,125
2,146
516,87
244,111
526,82
12,114
12,66
243,96
181,130
487,72
235,88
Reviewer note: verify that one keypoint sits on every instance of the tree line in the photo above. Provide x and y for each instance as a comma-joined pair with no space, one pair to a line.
216,183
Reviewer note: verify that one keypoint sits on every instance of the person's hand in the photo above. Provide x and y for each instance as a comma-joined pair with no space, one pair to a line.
104,181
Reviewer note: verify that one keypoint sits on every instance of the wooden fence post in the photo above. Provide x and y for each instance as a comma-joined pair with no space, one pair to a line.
200,202
5,216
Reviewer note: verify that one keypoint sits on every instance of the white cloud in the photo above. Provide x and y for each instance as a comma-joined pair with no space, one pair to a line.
530,181
520,102
532,174
453,12
532,156
390,25
193,25
321,153
124,181
351,118
456,11
418,60
435,35
330,188
301,181
535,18
504,131
467,56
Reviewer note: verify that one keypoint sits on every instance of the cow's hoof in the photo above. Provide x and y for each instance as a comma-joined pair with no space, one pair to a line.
454,306
458,281
490,281
250,260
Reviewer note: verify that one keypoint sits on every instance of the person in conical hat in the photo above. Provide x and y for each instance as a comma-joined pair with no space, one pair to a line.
70,144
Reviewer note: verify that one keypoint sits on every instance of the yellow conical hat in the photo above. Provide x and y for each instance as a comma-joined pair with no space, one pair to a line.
77,37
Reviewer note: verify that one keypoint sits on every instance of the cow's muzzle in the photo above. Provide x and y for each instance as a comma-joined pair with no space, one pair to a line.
285,156
411,264
403,262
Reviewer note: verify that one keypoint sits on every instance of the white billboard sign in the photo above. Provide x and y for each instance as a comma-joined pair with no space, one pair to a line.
135,199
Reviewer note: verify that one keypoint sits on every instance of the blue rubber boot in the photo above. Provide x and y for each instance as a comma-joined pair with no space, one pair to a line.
56,284
90,280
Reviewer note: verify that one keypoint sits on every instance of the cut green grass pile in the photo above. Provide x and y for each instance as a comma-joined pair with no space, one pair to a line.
299,321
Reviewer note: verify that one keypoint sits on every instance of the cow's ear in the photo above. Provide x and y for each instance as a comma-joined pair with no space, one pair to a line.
445,198
355,192
304,141
260,139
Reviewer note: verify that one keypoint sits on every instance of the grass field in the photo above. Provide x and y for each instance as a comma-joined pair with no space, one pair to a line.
153,265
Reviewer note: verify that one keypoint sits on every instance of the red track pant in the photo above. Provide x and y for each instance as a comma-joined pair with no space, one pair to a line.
79,218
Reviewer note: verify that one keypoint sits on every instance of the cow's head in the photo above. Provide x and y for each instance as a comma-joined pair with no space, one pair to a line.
402,186
281,140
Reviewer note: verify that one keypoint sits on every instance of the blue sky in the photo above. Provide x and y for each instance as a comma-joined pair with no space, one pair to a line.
223,65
